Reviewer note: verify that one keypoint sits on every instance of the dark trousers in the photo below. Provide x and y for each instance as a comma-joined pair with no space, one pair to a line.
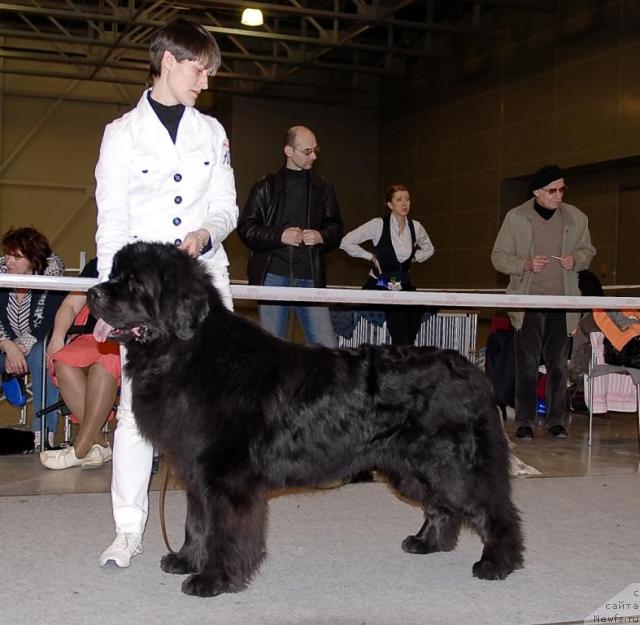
403,323
543,334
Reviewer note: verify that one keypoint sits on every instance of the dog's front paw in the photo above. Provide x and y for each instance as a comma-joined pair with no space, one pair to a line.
412,544
486,569
175,563
200,585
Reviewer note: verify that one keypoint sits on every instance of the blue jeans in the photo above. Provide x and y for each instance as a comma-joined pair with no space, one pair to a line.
315,320
34,362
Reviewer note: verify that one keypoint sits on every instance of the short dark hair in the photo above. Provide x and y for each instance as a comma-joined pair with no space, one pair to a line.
186,40
29,242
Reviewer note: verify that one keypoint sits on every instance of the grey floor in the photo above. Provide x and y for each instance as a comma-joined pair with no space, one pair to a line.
334,555
614,452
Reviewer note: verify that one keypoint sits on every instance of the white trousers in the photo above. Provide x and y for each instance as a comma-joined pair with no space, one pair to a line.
132,454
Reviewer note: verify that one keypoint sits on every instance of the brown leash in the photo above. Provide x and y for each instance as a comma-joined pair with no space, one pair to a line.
163,492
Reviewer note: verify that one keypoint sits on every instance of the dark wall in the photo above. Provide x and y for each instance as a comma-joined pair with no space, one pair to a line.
349,159
556,87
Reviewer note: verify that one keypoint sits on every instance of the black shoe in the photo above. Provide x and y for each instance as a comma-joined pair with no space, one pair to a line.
524,433
558,431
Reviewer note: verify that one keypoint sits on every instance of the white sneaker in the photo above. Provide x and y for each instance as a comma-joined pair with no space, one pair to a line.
50,439
96,457
122,549
63,458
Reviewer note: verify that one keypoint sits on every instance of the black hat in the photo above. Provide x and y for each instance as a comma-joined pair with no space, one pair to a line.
544,176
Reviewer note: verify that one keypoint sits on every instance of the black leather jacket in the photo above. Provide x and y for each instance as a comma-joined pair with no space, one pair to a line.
258,230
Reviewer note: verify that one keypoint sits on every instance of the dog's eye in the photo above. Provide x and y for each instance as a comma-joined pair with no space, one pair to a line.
135,285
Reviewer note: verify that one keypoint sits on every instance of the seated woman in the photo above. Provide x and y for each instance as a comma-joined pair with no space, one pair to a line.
88,374
397,241
26,316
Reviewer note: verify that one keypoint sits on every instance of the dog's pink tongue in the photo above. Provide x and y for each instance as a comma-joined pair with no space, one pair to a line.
101,331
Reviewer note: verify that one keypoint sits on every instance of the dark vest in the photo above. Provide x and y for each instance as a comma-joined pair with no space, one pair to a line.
386,255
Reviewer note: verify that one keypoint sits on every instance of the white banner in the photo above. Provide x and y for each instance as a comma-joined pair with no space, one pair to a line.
441,299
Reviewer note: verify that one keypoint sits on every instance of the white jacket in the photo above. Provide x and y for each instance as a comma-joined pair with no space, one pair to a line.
149,189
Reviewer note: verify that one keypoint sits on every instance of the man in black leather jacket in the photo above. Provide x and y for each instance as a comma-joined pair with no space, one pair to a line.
290,220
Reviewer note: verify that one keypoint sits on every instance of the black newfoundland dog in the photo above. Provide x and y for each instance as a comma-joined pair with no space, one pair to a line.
239,413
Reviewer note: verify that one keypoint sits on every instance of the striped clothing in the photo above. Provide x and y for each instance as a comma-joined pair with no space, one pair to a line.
27,321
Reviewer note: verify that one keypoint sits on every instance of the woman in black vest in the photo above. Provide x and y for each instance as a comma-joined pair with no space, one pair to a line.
397,242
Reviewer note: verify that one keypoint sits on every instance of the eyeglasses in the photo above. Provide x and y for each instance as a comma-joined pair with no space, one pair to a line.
555,190
308,151
14,256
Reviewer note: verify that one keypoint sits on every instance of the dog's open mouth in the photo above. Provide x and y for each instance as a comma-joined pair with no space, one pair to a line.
104,331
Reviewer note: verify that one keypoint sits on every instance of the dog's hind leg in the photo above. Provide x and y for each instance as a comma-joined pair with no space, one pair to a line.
481,496
234,544
438,533
498,523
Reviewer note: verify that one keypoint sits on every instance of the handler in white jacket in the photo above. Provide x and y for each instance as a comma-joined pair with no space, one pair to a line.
164,174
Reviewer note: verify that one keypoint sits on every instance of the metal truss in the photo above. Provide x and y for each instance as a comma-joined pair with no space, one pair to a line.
330,50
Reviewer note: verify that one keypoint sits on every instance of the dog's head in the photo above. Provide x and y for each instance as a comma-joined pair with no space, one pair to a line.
155,292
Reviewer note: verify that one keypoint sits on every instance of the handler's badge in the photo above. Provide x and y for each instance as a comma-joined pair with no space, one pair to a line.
226,154
391,284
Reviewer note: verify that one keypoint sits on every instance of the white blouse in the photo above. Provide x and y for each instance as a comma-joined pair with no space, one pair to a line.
401,241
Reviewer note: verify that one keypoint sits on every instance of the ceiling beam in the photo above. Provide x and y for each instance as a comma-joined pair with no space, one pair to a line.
372,18
126,19
18,53
133,66
355,32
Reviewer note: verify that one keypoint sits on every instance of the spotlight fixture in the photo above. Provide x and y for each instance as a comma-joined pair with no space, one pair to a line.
252,17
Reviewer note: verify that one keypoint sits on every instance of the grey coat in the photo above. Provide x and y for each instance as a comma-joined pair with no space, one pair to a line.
514,245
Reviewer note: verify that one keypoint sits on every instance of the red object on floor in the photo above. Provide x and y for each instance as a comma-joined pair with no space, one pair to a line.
541,386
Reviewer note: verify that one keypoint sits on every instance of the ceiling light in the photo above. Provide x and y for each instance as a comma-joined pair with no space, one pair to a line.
252,17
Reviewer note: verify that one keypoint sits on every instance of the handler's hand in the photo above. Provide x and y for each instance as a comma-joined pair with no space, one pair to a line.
312,237
292,236
194,242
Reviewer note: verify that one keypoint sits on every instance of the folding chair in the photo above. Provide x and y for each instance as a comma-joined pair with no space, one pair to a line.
607,388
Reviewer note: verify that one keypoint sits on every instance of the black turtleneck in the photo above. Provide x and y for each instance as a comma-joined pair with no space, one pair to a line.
545,213
289,260
170,116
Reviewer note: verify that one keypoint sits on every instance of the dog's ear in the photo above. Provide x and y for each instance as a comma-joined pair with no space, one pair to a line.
191,312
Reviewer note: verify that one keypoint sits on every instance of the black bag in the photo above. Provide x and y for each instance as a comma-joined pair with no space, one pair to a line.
628,356
14,441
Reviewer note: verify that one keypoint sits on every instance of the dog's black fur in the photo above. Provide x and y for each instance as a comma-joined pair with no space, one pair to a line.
240,413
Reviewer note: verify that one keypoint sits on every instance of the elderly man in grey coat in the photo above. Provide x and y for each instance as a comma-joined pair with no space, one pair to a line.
541,246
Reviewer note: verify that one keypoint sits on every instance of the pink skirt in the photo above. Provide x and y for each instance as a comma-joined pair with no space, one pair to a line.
85,351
